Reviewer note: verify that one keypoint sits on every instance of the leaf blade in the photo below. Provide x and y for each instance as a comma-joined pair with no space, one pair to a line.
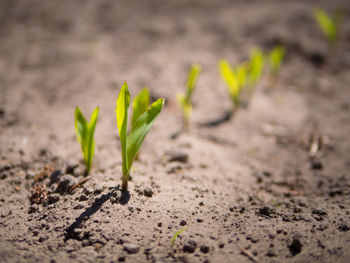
123,102
81,130
191,81
140,105
141,129
91,141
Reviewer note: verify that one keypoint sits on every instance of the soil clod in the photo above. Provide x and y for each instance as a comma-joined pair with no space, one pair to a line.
131,248
190,247
295,247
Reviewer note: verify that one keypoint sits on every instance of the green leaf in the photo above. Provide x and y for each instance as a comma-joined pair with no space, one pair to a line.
241,73
326,24
234,79
186,107
140,105
175,236
140,129
256,67
275,59
91,141
123,102
191,81
85,135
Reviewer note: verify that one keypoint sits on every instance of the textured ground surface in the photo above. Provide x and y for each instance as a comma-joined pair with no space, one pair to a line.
246,190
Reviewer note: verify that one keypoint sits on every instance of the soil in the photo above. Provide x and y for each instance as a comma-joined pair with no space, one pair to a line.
246,190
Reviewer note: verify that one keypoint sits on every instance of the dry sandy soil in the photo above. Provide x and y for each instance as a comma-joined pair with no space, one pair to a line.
246,190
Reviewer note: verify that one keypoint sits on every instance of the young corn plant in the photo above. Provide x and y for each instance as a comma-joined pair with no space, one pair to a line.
185,100
329,24
275,58
85,134
132,141
235,80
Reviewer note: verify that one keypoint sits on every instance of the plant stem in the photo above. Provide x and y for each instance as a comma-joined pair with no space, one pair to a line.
125,183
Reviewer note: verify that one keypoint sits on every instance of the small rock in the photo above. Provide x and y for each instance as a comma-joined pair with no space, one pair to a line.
183,222
78,206
316,164
85,243
148,192
344,227
189,247
79,171
65,183
53,198
3,176
131,248
178,157
83,197
319,212
270,253
30,174
200,220
204,249
33,208
266,211
88,190
295,247
173,168
71,165
55,176
116,197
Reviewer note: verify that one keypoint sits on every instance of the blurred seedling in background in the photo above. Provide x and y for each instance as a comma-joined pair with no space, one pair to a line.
185,100
85,134
140,105
235,80
255,70
131,143
175,236
329,24
275,58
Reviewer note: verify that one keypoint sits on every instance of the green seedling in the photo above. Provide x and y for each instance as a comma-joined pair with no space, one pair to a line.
85,134
255,67
275,57
175,236
185,100
328,24
235,80
131,143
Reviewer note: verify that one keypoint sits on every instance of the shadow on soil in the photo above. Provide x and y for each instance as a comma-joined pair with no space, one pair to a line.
123,200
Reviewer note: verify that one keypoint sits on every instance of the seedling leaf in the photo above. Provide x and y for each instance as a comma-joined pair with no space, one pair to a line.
140,129
256,67
191,81
235,79
276,56
140,105
327,24
175,236
85,135
123,102
185,100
